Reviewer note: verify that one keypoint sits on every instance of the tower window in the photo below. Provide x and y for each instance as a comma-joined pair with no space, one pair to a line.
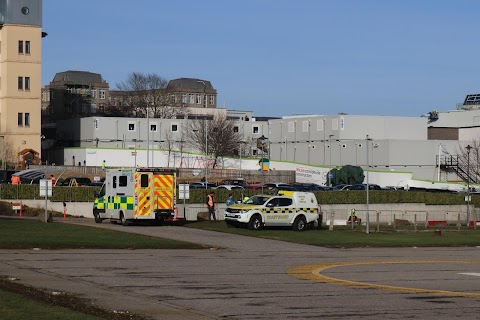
27,119
20,83
27,83
20,119
27,47
20,46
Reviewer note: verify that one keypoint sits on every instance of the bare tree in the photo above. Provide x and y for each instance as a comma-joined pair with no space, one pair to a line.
142,92
168,136
216,136
471,161
11,155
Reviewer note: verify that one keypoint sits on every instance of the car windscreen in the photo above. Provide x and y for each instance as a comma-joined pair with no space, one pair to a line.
256,200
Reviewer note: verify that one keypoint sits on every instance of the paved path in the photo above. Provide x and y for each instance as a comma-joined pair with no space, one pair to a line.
249,278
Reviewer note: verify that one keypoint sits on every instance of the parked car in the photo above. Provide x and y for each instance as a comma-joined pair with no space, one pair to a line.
257,186
229,187
311,187
236,182
273,185
201,185
285,187
96,184
341,187
363,187
80,181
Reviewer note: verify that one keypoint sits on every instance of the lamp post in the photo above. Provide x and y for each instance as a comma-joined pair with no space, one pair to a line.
240,154
135,152
309,141
340,146
206,132
330,160
368,187
263,142
148,137
42,138
468,147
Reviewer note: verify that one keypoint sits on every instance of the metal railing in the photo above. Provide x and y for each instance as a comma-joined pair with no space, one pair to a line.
397,218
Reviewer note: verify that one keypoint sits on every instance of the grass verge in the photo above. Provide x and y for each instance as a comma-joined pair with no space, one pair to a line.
355,238
21,302
27,234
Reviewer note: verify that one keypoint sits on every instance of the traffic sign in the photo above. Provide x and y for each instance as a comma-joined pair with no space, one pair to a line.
45,188
184,191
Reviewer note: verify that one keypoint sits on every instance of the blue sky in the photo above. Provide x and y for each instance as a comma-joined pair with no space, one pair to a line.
279,57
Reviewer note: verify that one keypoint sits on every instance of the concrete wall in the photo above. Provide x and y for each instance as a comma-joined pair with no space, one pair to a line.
340,212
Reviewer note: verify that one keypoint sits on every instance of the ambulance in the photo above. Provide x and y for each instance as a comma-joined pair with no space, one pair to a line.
137,194
287,208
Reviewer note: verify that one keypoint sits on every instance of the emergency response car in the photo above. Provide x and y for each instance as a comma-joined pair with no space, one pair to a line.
130,195
288,208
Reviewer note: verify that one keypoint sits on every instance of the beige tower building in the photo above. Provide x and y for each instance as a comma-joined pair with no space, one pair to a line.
20,80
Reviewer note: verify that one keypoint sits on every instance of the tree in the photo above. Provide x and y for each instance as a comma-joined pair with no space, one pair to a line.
470,162
141,92
217,135
168,136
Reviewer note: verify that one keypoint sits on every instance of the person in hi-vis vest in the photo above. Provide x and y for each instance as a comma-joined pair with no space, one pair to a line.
210,202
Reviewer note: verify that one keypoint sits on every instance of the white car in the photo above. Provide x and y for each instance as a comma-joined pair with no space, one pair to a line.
288,208
230,187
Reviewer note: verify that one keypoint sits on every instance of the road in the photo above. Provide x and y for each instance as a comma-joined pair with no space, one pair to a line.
239,277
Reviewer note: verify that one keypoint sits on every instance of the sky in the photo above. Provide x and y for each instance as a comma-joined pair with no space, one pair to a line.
279,57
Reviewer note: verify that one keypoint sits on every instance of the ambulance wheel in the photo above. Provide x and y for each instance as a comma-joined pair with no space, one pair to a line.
300,224
96,215
255,222
124,221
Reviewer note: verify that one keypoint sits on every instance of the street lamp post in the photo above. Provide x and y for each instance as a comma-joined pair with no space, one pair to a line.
240,154
468,147
263,142
148,137
330,160
368,187
206,132
135,152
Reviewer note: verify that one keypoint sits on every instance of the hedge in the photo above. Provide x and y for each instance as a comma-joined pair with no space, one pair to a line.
87,194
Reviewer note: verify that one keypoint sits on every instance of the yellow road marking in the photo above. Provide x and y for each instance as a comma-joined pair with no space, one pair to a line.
313,273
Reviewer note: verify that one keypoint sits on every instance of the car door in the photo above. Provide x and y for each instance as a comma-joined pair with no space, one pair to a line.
286,210
278,211
269,214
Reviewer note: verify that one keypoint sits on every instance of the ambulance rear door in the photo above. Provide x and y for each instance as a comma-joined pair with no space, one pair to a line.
143,195
164,191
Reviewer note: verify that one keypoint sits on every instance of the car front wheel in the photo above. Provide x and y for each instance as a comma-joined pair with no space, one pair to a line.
255,223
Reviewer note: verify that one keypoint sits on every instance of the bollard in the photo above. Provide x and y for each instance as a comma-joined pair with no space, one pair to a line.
394,222
378,221
332,216
437,233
